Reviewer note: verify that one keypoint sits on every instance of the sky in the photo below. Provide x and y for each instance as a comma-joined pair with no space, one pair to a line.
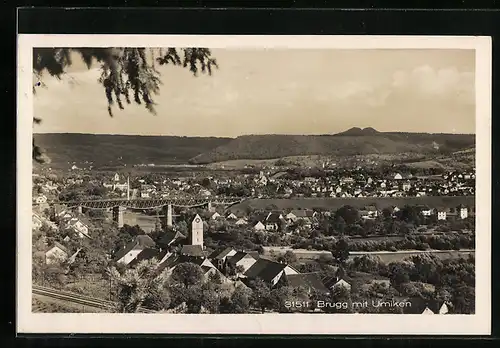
270,91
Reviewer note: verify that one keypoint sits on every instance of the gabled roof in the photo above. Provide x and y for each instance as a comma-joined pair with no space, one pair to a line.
192,250
331,281
220,253
60,246
302,213
206,269
239,256
273,218
125,250
197,218
144,240
260,217
147,254
418,305
140,242
311,281
169,262
265,269
170,236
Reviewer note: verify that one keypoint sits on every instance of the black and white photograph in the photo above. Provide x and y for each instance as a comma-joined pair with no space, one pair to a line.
235,178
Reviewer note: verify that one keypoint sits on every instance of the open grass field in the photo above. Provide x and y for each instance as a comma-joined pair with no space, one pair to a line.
336,203
385,256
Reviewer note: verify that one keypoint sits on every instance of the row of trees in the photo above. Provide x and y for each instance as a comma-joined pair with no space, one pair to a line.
454,241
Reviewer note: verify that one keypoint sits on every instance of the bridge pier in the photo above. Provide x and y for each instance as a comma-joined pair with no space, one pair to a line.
167,212
118,215
209,207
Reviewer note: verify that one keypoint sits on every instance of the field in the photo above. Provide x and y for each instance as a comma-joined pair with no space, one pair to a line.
389,256
385,256
335,203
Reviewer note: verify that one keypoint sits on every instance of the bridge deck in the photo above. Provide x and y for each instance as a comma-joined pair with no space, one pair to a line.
149,203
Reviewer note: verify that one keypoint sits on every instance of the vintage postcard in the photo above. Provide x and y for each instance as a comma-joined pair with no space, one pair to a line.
254,184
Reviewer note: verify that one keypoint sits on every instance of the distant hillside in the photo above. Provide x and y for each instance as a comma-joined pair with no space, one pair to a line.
123,149
112,150
356,131
366,141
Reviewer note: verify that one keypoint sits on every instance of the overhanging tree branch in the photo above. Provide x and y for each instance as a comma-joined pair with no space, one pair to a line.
125,72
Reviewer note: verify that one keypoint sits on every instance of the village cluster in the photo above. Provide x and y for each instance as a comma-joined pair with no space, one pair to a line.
234,267
282,184
186,241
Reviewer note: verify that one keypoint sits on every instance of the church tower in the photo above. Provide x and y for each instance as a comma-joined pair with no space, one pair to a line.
197,231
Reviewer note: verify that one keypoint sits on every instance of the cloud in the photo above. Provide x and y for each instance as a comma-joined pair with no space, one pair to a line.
425,81
422,82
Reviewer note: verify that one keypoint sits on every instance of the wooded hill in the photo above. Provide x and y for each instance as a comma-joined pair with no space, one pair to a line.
66,148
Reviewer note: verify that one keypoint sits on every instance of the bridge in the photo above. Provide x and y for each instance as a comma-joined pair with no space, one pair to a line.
149,203
119,205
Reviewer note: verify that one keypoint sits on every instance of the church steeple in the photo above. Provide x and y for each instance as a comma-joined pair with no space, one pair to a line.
197,231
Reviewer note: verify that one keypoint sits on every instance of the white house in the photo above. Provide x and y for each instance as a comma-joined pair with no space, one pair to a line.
133,249
57,253
37,221
231,216
259,226
464,213
242,259
444,309
79,227
341,283
398,176
290,270
426,212
215,216
41,199
241,222
427,311
406,186
441,215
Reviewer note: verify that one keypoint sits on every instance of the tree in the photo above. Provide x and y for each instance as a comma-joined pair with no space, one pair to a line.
464,299
128,73
340,251
187,285
288,258
206,183
348,213
140,286
279,298
261,295
132,231
239,301
187,274
398,275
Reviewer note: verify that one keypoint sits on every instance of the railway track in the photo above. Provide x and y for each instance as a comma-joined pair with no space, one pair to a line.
78,299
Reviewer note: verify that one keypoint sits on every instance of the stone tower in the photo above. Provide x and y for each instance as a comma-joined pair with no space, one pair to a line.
197,231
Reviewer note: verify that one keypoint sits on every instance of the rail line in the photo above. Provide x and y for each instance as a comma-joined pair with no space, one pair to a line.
78,299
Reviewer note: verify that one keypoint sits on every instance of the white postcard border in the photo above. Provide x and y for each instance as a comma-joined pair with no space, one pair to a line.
364,324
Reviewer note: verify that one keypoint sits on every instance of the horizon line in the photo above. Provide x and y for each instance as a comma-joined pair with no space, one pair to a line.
243,135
